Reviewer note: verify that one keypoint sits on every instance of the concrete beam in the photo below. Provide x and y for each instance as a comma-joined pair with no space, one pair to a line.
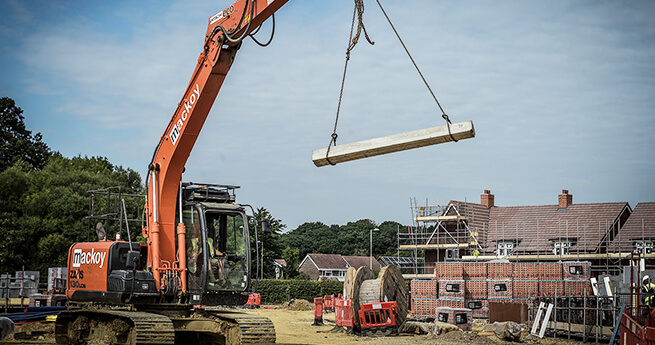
393,143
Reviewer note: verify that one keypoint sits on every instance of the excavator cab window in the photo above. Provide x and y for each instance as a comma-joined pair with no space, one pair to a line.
227,252
194,247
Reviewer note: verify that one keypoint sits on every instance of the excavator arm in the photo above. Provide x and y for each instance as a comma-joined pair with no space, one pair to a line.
225,31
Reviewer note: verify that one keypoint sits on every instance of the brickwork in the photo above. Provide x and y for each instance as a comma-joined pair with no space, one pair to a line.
500,270
424,288
479,307
475,288
475,270
551,287
576,270
499,289
504,282
526,270
525,288
577,288
451,289
460,317
449,270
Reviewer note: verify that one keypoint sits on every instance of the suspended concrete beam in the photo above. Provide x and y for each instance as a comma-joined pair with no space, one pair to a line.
393,143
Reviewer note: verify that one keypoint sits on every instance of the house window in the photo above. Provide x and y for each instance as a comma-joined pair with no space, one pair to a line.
504,248
642,247
561,248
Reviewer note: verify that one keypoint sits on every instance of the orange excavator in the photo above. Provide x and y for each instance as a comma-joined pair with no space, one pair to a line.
197,253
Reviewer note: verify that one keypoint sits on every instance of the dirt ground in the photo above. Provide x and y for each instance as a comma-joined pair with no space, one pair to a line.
293,325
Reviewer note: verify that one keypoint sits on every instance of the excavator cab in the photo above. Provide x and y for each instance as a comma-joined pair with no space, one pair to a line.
217,245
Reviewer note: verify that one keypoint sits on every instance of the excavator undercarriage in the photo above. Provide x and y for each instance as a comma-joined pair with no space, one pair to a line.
93,323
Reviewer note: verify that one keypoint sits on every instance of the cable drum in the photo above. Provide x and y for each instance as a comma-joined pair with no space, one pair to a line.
361,286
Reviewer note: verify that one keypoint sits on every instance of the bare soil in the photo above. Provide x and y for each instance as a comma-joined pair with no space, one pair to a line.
293,325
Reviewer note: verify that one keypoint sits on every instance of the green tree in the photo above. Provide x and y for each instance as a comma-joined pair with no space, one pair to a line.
45,210
269,243
293,259
17,142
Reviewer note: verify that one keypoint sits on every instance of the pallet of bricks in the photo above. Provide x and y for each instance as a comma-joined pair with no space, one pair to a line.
499,283
475,289
451,284
424,297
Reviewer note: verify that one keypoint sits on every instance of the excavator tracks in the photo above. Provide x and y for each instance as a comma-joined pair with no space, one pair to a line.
252,329
113,327
125,327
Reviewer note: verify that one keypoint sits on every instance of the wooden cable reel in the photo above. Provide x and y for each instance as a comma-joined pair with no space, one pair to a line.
361,286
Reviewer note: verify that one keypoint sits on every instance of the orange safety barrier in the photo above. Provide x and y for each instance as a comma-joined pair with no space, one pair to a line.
343,312
377,314
254,300
634,333
318,311
328,303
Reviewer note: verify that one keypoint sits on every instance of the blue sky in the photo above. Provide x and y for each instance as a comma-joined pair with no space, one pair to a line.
561,93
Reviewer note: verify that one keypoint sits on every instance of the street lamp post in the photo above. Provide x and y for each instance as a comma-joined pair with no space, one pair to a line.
370,259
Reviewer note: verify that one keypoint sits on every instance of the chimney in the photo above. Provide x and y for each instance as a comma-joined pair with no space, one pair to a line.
565,199
487,199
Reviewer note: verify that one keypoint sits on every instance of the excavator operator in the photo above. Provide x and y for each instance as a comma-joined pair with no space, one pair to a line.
217,273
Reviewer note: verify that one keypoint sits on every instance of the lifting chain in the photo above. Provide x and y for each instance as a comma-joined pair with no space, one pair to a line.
352,42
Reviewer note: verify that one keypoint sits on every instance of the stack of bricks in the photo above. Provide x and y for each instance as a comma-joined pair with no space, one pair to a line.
424,297
524,289
499,289
526,271
478,306
451,293
475,270
460,317
424,289
473,285
526,283
423,307
449,270
500,270
475,297
451,289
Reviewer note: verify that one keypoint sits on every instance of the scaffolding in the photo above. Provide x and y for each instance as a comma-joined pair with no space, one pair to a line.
442,230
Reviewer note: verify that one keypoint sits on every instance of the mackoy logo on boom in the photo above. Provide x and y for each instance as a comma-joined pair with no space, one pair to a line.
188,105
81,257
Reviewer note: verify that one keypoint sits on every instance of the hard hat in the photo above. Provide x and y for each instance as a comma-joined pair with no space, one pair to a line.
645,278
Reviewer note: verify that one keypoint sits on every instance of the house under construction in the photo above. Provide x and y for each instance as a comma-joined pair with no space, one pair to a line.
584,260
605,234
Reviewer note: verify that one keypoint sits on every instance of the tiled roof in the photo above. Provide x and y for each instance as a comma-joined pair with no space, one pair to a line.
536,226
359,261
640,225
339,262
328,261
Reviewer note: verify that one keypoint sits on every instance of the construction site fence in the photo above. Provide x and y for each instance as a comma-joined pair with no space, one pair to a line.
588,318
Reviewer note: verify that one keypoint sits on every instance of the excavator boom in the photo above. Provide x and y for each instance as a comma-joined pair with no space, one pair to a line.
222,40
